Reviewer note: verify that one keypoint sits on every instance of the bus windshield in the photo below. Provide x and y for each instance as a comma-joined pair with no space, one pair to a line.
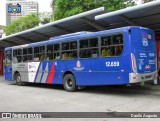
8,57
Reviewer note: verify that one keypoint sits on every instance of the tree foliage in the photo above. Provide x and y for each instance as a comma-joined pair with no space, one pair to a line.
45,17
45,20
23,23
65,8
2,27
146,1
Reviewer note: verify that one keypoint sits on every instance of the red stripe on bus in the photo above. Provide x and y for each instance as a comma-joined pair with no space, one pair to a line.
51,75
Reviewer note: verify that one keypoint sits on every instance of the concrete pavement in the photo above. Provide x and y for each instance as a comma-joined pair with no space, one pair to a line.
47,98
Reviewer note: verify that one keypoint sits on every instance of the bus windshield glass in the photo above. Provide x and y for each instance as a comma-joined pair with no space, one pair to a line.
8,57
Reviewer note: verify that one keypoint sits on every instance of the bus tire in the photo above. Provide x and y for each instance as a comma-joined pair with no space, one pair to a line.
18,80
69,83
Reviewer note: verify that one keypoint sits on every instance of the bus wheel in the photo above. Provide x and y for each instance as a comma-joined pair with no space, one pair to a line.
18,80
69,83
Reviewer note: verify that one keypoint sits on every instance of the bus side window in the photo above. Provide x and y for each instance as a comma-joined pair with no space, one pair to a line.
94,47
118,50
69,50
49,55
19,55
25,58
56,51
89,48
73,50
106,43
36,53
15,60
111,45
118,44
42,53
65,50
118,39
30,54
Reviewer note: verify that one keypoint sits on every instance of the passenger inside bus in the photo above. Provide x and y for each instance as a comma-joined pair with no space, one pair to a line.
118,50
106,52
42,57
50,56
19,58
65,55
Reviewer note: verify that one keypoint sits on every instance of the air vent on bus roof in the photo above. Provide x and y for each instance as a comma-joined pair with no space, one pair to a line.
72,34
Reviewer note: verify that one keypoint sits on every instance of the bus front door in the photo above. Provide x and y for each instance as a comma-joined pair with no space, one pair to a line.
8,65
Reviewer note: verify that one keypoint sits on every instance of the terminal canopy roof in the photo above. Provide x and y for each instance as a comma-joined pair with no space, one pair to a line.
147,15
81,22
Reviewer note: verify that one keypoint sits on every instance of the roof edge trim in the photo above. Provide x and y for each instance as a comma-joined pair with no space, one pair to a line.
126,10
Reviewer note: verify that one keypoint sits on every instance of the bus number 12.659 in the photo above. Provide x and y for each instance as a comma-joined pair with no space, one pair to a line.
112,64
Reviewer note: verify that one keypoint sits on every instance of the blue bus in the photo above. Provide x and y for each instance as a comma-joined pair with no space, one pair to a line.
118,56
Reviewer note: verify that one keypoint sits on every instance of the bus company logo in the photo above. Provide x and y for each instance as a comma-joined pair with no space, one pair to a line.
147,67
78,66
144,41
14,9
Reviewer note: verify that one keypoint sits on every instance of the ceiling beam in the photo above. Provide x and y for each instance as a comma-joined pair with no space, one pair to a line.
46,37
11,42
129,21
135,19
1,49
6,43
3,45
62,29
24,39
142,17
93,24
42,34
157,32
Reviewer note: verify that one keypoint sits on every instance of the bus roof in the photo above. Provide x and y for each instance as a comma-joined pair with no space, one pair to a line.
75,36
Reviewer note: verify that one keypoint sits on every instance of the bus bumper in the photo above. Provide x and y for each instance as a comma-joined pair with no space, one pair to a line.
136,77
